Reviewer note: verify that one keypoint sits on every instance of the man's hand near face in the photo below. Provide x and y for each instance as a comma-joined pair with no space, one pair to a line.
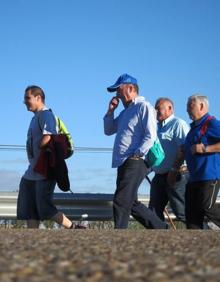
113,104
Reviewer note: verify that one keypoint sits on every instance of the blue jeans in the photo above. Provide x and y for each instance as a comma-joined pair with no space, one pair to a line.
161,193
125,203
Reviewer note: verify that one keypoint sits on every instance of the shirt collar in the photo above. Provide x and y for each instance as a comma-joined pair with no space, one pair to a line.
43,109
199,121
137,100
164,122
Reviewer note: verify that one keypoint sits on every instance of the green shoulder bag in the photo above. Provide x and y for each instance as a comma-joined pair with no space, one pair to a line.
155,155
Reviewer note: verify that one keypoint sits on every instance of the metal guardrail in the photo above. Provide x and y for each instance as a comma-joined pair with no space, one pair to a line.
85,206
4,147
76,206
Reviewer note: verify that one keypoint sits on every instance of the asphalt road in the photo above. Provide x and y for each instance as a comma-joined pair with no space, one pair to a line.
109,255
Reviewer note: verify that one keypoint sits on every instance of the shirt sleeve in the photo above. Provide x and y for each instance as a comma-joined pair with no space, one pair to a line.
110,124
149,124
182,130
213,130
47,123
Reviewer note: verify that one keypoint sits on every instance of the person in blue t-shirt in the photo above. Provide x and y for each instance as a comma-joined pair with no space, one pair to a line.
202,153
35,197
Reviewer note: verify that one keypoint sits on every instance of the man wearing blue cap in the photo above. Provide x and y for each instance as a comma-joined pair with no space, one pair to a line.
136,131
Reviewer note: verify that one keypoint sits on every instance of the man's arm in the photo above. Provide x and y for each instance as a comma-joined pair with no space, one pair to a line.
181,133
45,140
212,132
47,123
171,177
215,148
149,124
110,124
179,158
202,149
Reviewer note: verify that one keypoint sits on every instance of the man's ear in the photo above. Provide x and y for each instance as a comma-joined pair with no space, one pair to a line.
171,109
201,106
39,98
128,90
130,87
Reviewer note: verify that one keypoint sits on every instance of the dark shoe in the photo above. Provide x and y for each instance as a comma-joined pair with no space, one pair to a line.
78,226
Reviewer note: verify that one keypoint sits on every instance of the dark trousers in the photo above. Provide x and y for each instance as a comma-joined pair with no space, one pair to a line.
125,203
200,202
161,193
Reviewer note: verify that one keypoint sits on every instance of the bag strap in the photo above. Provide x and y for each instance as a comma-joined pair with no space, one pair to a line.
58,121
205,126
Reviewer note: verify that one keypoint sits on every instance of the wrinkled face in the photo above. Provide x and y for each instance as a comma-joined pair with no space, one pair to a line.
32,102
123,93
164,110
194,109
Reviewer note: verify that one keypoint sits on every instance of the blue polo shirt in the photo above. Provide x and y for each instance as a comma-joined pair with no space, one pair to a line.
203,167
171,133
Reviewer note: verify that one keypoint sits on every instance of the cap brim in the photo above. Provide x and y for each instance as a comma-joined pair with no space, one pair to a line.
113,88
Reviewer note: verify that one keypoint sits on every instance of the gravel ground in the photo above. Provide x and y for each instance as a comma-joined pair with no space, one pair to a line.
109,255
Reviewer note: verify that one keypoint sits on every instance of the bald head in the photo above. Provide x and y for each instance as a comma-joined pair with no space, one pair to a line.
164,108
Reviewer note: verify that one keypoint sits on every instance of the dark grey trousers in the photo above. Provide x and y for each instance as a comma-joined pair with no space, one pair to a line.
161,193
200,202
130,175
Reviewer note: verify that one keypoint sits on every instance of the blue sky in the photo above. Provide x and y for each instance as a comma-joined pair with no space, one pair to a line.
74,49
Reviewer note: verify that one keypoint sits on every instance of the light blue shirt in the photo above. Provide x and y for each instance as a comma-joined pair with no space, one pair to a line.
135,128
171,133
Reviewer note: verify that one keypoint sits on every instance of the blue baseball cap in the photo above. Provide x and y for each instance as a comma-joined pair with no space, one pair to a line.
123,79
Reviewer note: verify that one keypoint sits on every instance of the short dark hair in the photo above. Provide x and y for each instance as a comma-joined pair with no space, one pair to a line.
35,91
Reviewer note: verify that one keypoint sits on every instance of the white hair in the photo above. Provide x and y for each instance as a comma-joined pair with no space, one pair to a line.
199,98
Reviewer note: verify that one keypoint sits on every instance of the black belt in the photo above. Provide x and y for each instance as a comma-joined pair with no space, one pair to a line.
162,174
